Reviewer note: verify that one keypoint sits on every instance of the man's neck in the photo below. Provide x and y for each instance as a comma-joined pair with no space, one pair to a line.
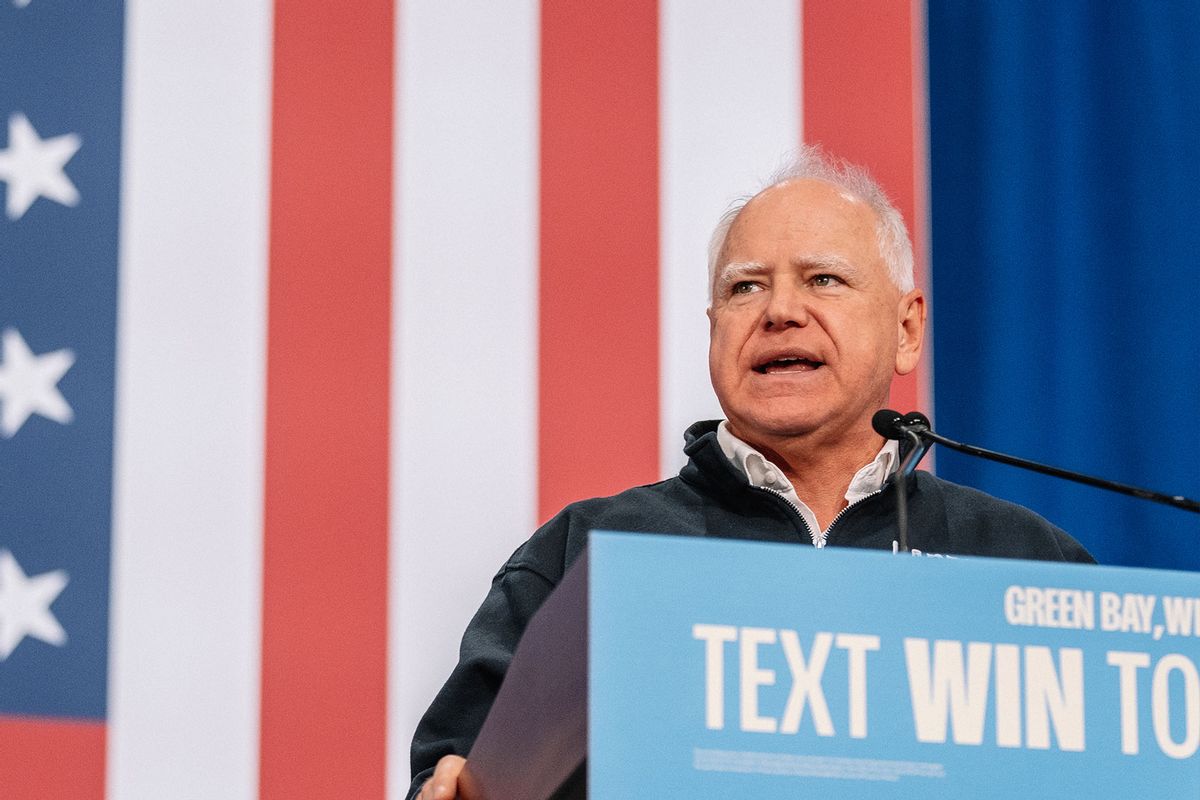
820,471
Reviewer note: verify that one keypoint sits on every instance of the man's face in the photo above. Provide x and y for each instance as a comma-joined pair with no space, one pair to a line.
807,328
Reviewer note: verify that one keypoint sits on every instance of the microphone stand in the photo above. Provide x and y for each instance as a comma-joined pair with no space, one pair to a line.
919,446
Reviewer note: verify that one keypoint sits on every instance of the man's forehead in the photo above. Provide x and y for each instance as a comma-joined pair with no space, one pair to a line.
806,192
800,204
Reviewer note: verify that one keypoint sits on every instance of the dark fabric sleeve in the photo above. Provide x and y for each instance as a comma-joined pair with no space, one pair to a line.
454,719
1072,550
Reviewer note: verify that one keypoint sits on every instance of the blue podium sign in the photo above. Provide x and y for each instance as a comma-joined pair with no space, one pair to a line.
726,669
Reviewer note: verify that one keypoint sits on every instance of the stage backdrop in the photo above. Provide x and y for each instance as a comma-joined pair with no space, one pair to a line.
311,312
1065,144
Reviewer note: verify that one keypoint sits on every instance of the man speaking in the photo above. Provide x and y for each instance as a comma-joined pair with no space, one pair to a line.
812,312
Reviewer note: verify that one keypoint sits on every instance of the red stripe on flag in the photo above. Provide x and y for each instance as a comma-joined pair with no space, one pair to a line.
326,503
864,101
42,759
598,359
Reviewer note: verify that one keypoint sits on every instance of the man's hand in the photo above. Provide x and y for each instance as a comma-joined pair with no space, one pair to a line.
443,783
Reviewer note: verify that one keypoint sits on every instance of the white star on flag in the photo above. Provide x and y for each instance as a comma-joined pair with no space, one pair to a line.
33,167
25,605
29,384
21,3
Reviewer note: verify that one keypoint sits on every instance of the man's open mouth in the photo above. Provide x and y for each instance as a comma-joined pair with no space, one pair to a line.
788,364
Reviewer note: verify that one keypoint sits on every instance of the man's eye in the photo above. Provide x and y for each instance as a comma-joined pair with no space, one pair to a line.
744,287
826,280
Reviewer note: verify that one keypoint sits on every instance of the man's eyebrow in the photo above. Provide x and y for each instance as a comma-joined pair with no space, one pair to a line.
826,261
739,269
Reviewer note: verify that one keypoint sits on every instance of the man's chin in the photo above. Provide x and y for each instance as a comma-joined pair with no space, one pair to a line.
768,429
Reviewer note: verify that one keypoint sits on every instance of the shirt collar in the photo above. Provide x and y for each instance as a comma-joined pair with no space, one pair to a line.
759,470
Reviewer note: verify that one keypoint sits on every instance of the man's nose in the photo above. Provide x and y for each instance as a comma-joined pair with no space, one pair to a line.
786,308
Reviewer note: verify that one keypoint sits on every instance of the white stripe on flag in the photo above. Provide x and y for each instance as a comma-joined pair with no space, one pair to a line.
730,110
465,350
187,532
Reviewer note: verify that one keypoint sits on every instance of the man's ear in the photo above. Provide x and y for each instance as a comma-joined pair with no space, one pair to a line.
911,315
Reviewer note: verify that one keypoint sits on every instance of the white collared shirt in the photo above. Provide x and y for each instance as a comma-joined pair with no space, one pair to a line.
762,473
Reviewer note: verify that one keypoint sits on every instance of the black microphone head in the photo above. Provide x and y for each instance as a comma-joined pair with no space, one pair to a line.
886,423
916,418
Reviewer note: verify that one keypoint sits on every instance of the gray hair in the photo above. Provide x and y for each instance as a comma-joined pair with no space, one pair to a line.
811,163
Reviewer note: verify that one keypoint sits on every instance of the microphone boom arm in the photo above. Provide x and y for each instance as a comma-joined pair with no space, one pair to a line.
1177,501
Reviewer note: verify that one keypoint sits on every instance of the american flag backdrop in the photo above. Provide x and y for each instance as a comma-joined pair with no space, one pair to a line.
310,312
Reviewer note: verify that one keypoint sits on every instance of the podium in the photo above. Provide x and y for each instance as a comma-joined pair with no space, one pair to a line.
700,668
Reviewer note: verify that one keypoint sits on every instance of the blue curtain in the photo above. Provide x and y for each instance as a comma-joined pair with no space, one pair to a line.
1065,169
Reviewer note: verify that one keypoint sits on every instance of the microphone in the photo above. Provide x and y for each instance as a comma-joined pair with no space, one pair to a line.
892,425
915,427
887,422
916,421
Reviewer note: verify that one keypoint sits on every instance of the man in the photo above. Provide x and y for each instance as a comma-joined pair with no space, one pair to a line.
812,312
